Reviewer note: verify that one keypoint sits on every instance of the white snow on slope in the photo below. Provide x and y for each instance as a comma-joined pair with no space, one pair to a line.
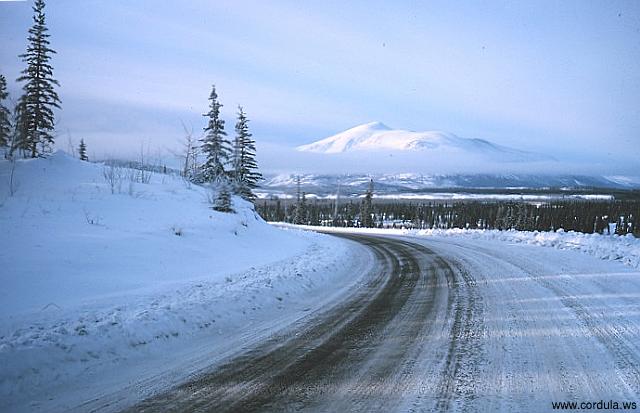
102,290
624,249
628,181
376,136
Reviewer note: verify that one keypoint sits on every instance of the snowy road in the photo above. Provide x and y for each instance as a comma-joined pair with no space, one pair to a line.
445,325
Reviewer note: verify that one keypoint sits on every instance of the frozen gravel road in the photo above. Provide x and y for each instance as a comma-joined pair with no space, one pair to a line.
444,325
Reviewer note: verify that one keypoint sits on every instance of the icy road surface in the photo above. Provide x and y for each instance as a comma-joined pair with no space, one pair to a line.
444,324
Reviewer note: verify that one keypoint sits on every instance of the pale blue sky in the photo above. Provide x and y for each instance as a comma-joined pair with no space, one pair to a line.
560,76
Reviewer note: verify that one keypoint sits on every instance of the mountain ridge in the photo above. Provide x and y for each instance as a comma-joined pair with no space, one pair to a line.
389,184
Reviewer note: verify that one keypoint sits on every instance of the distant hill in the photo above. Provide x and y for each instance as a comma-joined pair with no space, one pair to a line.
326,185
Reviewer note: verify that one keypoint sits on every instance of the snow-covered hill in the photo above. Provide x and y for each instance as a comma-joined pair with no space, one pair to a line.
377,137
102,269
64,223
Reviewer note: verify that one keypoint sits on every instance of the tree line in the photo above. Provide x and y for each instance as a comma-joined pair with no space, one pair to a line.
230,167
620,217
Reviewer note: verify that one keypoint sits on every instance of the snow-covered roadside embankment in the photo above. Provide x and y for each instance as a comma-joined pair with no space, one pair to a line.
624,249
104,288
42,354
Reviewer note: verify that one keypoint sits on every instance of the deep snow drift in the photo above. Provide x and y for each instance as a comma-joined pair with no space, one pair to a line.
108,280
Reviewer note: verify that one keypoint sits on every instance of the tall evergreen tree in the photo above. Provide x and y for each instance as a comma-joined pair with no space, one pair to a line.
214,145
5,115
245,168
36,120
82,151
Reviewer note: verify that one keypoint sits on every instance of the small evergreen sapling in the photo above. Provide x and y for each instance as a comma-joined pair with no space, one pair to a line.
223,202
5,115
82,151
366,208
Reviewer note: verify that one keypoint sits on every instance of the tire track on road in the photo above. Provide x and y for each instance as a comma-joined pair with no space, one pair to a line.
610,335
458,381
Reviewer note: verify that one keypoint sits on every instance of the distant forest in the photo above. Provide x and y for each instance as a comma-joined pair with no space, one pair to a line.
620,217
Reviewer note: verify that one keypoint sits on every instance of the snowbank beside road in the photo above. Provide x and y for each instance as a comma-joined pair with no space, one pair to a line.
103,285
625,249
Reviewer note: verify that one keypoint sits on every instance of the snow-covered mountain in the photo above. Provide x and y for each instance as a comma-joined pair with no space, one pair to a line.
377,137
403,162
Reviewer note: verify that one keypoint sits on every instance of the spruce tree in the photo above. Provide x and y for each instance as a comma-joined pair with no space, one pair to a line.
245,168
5,115
223,199
36,120
366,208
297,212
214,145
301,212
82,150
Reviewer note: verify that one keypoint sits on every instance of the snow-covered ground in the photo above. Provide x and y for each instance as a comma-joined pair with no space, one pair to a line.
624,249
110,283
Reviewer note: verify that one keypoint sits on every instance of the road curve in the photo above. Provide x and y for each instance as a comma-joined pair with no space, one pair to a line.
443,325
358,355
